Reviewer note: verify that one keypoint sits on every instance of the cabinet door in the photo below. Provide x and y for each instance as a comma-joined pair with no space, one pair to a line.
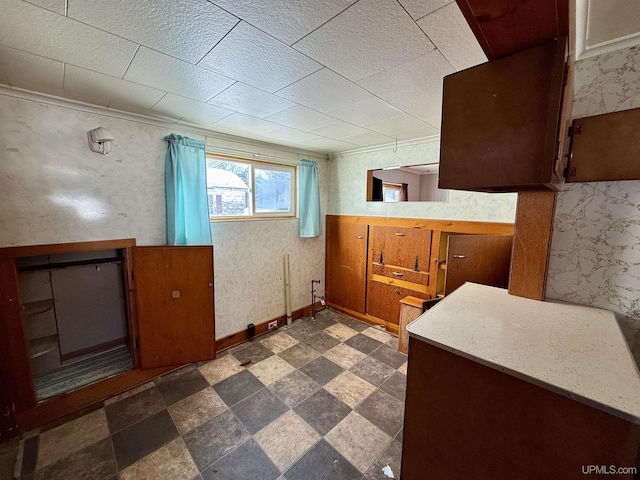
481,259
383,300
401,247
346,270
175,309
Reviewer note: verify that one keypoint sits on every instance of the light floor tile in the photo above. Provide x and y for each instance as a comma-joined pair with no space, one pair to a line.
128,393
340,332
171,461
377,334
286,439
349,388
71,437
344,355
271,369
359,440
403,368
193,411
220,369
279,342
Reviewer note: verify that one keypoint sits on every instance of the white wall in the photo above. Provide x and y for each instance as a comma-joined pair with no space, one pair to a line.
54,190
347,180
595,248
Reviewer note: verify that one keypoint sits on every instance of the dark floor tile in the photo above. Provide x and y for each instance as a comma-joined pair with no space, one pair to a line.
95,462
259,410
302,329
388,355
214,439
396,386
384,411
372,371
363,343
248,461
399,435
321,342
323,320
142,438
321,370
322,462
238,387
294,388
351,322
181,384
392,456
29,455
132,409
298,355
322,411
254,351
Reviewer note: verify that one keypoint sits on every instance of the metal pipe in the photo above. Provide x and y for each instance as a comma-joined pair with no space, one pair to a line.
287,289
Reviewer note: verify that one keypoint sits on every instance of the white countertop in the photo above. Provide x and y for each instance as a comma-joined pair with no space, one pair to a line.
574,350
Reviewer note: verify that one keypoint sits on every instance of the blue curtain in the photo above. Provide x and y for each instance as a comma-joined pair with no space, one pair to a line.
186,191
310,219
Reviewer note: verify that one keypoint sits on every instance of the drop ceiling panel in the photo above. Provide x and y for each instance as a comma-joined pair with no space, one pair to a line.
395,126
419,8
368,37
187,29
189,109
415,87
250,101
39,31
245,123
339,130
25,70
366,139
327,144
56,6
142,111
427,131
302,118
324,91
287,21
450,33
172,75
257,59
287,134
366,111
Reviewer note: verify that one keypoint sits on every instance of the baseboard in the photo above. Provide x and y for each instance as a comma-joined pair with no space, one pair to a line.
262,328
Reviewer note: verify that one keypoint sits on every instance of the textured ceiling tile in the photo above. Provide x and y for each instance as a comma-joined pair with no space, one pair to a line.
368,37
245,123
415,87
366,111
25,70
253,57
187,29
339,130
302,118
285,20
103,87
368,139
393,126
427,131
172,75
287,134
189,109
328,145
451,34
251,101
142,111
56,6
324,90
35,30
419,8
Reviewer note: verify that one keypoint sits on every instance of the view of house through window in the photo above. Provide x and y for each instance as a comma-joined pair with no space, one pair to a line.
238,188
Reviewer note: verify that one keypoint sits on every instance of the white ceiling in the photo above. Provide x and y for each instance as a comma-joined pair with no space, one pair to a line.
327,75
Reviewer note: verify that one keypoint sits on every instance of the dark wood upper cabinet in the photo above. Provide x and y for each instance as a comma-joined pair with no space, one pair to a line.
501,123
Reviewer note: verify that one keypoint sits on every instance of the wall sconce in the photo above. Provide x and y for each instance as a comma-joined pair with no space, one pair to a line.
100,140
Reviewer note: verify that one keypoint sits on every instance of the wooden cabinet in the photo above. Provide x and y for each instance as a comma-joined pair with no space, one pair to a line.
64,304
501,123
346,264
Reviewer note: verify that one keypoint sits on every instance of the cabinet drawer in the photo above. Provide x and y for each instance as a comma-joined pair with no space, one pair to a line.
402,247
398,273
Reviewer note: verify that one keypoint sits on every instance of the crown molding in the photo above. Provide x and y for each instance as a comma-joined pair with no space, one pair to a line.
385,146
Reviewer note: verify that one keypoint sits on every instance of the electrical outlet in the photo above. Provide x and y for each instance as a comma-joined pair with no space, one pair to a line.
273,325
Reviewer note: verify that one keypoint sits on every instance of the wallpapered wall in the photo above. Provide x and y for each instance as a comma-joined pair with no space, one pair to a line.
54,190
595,248
348,189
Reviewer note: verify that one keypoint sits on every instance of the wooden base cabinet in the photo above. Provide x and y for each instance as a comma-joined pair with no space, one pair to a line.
167,318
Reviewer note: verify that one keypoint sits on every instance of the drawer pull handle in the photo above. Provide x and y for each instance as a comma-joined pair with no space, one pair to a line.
398,274
359,237
459,256
399,234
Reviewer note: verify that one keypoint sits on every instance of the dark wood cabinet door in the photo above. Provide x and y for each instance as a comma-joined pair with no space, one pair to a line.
401,247
175,304
383,300
481,259
346,266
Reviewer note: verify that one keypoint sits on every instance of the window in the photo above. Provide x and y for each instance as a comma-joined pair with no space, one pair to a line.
390,192
242,189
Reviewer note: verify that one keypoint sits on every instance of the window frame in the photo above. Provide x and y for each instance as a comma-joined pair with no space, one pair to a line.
390,186
264,165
